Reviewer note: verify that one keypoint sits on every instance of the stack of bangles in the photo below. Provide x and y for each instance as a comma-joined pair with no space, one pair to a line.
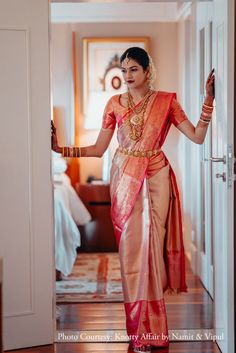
71,152
206,113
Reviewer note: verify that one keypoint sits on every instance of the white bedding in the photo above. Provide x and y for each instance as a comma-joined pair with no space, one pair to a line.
67,236
72,202
69,211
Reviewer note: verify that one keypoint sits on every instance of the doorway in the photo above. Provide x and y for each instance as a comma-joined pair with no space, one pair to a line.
204,267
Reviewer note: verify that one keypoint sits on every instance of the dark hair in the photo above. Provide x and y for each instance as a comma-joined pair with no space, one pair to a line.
137,54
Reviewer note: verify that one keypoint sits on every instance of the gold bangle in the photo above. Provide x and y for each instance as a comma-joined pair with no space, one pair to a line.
206,112
77,154
64,151
204,121
208,115
203,118
70,151
67,151
207,108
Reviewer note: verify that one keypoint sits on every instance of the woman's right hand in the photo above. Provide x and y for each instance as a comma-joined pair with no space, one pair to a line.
54,143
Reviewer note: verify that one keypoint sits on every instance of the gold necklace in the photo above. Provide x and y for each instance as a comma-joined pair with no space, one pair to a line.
140,107
136,122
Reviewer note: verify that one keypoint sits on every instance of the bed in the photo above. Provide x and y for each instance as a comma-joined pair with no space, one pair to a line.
69,213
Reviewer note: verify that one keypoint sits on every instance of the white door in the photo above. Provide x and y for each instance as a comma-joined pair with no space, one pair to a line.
26,218
222,132
205,244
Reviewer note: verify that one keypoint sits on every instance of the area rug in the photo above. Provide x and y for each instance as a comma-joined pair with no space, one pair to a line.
95,278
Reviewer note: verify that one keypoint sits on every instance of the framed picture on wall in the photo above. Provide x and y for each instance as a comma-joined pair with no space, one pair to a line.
102,76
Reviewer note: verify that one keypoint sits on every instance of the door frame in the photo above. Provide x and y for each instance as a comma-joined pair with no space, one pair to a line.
228,343
231,298
234,172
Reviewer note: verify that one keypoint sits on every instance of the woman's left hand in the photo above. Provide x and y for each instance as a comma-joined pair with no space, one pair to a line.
54,143
210,84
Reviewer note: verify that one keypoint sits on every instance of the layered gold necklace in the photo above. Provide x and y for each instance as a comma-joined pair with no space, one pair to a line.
136,121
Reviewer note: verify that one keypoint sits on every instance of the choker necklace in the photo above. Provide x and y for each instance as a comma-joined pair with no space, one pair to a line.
136,121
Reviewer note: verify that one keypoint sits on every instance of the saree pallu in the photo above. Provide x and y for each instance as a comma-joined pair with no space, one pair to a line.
146,215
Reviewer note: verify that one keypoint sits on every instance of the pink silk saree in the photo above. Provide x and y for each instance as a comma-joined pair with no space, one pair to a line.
146,215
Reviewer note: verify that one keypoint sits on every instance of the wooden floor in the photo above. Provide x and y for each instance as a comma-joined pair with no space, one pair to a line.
187,311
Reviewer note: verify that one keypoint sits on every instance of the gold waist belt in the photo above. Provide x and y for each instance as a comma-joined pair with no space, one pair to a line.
137,153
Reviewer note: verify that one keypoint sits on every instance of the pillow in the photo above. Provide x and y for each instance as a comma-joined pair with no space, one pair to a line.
59,164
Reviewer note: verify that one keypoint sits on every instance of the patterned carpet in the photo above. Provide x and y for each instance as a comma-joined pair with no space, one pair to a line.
95,278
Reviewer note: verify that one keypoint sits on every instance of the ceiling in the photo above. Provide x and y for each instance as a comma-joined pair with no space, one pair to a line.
113,11
82,11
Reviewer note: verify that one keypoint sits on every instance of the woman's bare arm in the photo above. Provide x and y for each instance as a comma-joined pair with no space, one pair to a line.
96,150
196,134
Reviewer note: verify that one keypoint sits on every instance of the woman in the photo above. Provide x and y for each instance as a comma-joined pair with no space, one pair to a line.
145,210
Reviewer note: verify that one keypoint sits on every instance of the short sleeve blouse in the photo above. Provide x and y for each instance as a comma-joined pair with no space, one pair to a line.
177,115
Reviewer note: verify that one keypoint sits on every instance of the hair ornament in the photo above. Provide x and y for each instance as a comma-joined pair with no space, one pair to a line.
152,72
127,57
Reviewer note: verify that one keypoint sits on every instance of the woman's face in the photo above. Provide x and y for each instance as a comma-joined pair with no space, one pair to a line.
133,73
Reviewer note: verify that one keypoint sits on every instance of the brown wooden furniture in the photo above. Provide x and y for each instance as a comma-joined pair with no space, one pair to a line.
97,235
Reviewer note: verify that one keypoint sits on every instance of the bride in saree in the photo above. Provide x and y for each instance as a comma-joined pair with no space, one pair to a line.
145,202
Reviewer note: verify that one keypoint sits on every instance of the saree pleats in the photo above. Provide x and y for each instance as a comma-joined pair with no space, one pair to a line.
142,265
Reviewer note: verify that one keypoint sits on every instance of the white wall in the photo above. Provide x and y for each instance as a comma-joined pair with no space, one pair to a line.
62,81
